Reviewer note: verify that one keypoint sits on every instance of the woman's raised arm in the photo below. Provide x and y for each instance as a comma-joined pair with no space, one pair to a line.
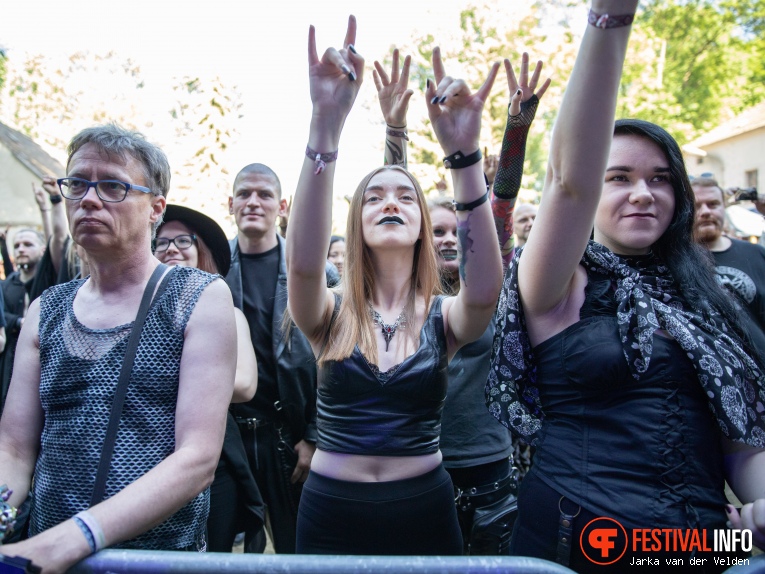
335,80
456,117
578,155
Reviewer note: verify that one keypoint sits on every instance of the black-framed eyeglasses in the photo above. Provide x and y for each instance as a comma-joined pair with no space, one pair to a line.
109,190
181,242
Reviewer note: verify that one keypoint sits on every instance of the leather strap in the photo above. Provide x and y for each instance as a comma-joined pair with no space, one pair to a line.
122,384
565,532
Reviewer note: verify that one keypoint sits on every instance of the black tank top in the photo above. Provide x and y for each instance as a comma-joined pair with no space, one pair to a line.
646,452
396,413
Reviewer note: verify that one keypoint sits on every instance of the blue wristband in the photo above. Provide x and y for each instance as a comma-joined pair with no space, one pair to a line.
86,532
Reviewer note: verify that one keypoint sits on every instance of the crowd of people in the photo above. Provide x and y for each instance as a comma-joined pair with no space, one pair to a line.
463,376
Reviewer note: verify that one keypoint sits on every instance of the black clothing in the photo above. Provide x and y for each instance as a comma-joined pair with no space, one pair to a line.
595,409
7,263
414,516
536,534
646,452
272,462
294,369
260,272
741,268
235,501
2,309
295,363
15,295
397,413
470,436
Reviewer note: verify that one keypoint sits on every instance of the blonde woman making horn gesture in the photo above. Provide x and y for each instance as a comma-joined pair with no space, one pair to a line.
383,341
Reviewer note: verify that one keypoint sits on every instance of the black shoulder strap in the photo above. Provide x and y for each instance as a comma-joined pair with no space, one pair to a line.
122,385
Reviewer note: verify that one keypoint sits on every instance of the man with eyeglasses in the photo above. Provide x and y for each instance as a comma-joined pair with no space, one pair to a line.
68,363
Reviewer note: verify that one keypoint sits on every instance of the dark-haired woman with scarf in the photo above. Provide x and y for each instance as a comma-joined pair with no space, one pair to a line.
620,358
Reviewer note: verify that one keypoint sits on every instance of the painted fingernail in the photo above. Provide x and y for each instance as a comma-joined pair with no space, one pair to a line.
351,48
442,100
345,69
728,509
434,100
352,76
518,93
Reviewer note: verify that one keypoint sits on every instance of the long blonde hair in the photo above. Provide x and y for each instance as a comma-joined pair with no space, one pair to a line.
353,324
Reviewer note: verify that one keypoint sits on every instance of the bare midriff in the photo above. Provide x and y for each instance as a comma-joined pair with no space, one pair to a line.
365,468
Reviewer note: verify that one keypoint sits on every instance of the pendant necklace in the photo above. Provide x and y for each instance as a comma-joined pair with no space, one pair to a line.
387,330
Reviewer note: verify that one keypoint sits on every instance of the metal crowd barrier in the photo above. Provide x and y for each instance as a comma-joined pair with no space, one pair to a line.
149,562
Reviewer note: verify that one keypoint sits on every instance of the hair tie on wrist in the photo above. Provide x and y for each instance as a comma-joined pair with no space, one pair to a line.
459,160
320,159
606,21
396,127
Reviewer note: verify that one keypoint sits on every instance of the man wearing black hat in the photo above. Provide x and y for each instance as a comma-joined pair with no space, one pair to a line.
279,424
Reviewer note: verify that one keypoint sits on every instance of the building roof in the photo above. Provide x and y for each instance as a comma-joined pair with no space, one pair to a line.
747,121
31,155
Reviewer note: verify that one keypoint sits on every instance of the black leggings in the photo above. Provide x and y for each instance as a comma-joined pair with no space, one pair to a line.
401,517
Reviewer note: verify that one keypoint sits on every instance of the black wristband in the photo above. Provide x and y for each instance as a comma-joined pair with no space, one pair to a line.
55,199
472,205
459,160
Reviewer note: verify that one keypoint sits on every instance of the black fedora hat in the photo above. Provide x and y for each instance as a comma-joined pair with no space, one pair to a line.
206,228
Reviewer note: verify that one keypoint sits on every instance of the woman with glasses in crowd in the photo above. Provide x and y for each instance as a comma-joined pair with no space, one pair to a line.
383,341
621,358
191,239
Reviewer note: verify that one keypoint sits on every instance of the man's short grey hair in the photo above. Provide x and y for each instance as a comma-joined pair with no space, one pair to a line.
114,139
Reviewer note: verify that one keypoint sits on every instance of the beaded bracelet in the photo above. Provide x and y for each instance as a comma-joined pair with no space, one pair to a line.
320,159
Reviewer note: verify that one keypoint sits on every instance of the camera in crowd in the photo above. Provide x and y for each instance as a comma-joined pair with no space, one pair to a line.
744,194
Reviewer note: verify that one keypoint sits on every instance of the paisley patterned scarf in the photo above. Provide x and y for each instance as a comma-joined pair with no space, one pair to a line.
648,299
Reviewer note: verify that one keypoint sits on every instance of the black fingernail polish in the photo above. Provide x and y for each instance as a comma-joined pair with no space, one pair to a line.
427,83
518,92
434,100
351,48
352,76
442,100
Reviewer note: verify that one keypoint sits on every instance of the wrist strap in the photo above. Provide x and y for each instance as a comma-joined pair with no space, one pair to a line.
459,160
472,205
320,160
397,133
606,21
122,384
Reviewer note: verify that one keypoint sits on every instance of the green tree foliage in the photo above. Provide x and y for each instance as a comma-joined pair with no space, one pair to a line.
691,65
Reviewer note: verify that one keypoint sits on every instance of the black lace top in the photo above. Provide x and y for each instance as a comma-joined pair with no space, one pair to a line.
393,413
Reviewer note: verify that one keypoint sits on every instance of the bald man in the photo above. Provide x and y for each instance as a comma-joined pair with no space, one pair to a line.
523,220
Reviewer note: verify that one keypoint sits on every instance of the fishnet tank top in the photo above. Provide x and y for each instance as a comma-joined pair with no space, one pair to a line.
79,372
